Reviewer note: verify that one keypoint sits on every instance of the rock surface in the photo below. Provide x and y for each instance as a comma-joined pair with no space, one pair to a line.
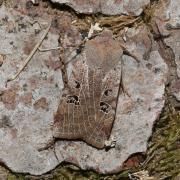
168,19
108,7
24,117
28,104
173,27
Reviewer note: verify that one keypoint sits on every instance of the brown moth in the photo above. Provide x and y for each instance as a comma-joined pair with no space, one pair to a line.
88,105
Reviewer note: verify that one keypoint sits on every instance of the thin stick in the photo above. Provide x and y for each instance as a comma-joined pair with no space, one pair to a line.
30,55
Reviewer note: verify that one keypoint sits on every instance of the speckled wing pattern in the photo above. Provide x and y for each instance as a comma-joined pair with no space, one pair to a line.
88,104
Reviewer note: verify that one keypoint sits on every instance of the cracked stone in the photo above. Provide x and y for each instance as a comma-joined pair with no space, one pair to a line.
26,131
108,7
174,40
8,98
168,19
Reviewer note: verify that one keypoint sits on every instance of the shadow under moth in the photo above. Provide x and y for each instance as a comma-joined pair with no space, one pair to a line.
88,105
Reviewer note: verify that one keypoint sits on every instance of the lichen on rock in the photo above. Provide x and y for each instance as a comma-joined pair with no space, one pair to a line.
28,104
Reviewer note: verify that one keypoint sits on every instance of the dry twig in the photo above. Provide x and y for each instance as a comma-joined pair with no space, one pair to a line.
28,59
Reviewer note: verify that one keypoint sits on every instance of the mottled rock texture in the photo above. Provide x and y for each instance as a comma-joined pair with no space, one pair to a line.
173,28
167,17
28,104
108,7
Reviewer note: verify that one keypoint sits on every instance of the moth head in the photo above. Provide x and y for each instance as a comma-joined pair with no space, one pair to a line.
103,52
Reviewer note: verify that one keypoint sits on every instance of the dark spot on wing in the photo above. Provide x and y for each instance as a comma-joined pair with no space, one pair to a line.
104,107
73,100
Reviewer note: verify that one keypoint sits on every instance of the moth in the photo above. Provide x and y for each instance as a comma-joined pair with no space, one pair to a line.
87,108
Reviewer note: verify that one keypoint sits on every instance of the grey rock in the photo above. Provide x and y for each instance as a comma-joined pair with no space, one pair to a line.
108,7
174,40
24,128
168,20
27,104
173,27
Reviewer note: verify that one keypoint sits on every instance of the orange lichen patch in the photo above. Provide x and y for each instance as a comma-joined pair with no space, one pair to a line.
52,64
29,46
33,81
26,98
8,97
41,103
133,161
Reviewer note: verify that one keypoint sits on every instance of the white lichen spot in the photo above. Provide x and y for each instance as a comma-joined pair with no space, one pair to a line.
111,142
93,28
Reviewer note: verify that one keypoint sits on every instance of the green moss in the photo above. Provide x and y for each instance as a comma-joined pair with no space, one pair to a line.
165,147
